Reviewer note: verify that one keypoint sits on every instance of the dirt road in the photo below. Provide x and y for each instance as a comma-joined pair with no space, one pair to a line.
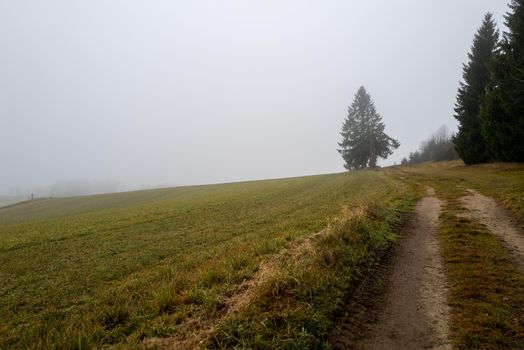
414,313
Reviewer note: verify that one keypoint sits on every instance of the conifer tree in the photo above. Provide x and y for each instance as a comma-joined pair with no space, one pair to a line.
363,137
469,142
503,113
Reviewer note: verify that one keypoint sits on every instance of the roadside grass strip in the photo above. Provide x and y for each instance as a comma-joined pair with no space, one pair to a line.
295,308
486,286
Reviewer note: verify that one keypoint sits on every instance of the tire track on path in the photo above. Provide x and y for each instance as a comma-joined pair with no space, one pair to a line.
415,313
497,220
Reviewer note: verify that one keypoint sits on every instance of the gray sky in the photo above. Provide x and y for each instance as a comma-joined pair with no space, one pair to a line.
186,92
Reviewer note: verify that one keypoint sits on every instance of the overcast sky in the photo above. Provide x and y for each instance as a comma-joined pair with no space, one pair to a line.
188,92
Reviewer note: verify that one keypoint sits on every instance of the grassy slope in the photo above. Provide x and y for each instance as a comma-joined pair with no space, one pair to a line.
117,268
114,269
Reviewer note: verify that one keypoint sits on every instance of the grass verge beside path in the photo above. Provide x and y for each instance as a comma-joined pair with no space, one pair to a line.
487,288
296,307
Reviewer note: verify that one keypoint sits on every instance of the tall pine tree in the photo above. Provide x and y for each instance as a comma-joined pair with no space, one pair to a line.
503,113
363,137
469,142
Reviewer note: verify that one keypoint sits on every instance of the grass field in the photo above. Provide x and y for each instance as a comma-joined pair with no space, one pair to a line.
116,270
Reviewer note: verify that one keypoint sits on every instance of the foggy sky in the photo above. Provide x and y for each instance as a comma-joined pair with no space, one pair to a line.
187,92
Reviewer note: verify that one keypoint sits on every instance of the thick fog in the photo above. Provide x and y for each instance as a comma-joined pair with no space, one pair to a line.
110,95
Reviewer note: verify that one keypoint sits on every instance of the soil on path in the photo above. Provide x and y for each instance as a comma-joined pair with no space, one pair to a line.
497,220
413,312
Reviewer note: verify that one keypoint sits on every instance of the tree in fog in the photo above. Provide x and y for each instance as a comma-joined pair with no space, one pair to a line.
469,142
363,136
437,148
502,116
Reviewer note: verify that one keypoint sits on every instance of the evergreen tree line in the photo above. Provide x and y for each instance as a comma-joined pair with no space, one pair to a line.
490,100
489,107
437,148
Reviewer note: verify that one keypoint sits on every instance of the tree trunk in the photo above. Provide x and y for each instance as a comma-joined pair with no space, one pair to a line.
372,157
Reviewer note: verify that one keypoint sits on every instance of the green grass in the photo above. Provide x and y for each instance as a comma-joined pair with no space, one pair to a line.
115,269
295,308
